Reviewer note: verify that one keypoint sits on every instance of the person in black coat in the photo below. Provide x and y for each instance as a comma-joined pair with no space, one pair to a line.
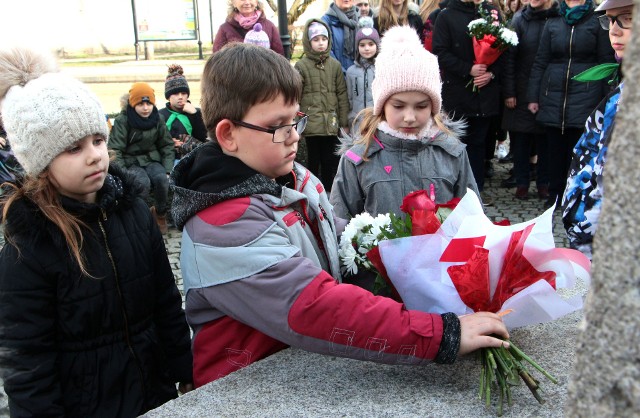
184,120
570,43
524,132
453,46
91,320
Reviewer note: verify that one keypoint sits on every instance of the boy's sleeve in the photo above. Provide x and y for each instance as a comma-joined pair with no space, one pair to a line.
347,197
165,146
296,302
343,97
118,139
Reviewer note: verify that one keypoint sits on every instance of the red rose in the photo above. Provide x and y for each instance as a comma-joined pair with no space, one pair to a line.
417,201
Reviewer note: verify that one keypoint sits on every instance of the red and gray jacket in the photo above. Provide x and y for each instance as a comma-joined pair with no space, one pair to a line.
260,268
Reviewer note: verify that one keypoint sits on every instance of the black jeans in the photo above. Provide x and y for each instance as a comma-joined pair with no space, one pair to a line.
521,144
475,138
153,174
560,147
322,160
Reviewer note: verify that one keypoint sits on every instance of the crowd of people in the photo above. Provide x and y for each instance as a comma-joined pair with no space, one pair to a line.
389,100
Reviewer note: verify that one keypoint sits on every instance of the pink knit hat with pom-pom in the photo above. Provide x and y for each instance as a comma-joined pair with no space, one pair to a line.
404,65
257,37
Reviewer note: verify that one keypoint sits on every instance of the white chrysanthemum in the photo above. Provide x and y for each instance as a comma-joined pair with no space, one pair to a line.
475,23
348,257
361,221
509,36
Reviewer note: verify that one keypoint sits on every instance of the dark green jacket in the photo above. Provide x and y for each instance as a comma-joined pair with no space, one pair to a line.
141,148
324,92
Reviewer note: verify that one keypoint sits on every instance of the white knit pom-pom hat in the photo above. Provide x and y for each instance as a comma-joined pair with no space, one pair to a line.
44,111
404,65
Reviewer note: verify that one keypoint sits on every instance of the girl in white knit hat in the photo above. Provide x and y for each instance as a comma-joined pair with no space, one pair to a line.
91,320
405,143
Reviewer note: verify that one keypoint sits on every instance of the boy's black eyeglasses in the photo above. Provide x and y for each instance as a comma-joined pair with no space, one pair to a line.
624,21
280,133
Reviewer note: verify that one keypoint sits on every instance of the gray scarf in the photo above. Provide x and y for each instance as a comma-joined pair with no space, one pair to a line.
349,22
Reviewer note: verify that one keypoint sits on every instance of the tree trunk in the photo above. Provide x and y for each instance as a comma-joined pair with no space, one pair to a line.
606,376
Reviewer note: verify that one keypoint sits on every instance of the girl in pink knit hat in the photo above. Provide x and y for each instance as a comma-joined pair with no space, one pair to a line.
404,142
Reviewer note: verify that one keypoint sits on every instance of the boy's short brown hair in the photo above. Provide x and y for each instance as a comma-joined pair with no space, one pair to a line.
240,76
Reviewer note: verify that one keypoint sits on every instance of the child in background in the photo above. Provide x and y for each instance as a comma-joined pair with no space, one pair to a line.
405,143
258,37
143,145
183,120
259,240
361,74
324,99
91,320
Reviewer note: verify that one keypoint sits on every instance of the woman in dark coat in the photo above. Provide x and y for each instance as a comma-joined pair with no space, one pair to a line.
524,132
570,44
243,15
453,46
91,320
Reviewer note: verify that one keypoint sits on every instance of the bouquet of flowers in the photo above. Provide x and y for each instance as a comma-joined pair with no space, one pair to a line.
462,263
490,38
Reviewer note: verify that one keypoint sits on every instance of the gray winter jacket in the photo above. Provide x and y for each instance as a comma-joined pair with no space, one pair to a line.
396,167
359,80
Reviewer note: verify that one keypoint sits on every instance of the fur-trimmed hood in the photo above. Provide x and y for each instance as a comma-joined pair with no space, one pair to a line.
457,128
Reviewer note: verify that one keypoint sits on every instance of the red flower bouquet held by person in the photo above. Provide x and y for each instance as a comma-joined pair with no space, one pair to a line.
490,38
468,264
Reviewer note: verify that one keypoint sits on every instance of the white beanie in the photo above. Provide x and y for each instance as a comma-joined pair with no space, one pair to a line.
44,111
404,65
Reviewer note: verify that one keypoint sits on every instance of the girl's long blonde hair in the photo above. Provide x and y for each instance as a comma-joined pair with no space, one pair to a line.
387,16
426,8
369,124
43,194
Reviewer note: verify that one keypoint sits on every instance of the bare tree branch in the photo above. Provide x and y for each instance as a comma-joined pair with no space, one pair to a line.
295,11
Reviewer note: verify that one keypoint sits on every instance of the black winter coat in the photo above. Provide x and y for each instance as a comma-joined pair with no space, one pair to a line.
564,52
453,46
199,131
528,24
111,345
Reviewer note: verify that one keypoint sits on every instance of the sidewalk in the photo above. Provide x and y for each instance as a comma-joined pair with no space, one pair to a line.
132,71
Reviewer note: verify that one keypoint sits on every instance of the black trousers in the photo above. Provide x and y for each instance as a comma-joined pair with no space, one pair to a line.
475,139
322,159
521,145
559,149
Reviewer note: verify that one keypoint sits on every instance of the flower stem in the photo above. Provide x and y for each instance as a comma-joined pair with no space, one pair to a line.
514,348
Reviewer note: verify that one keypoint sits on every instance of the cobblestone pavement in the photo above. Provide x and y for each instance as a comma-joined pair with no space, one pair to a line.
505,206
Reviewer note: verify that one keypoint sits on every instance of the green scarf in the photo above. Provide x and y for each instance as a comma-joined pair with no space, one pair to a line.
574,14
600,72
184,120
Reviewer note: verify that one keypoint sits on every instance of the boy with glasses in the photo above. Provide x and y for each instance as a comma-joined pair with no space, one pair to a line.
583,196
259,253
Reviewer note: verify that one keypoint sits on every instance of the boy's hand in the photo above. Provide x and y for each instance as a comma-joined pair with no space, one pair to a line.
177,143
185,387
475,331
189,108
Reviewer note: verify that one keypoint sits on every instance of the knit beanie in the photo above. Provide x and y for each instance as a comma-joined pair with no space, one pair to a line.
44,111
141,92
257,37
316,29
404,65
367,31
175,81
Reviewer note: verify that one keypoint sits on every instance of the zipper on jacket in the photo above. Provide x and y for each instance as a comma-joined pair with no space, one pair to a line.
566,81
127,336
